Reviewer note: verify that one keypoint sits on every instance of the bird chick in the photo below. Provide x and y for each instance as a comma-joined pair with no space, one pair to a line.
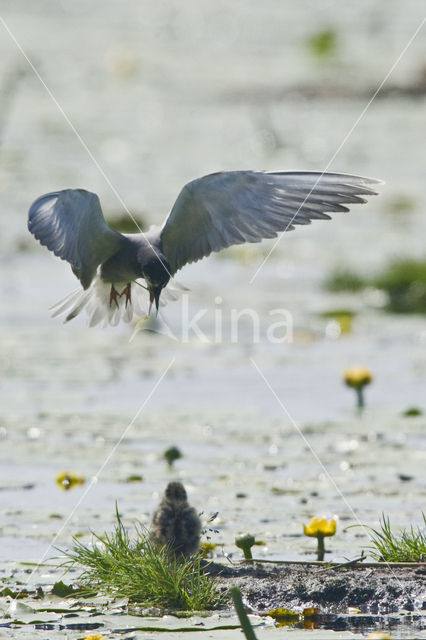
176,523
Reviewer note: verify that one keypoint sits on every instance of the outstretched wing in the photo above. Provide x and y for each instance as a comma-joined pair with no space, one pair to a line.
71,224
232,207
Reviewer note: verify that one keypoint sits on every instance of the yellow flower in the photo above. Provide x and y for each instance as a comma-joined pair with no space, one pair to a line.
69,479
320,527
357,377
378,635
94,636
207,548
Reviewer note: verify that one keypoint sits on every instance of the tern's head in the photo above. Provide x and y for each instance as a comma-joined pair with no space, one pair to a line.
175,492
156,272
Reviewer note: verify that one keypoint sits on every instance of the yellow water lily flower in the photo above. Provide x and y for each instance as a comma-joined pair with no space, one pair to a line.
320,526
94,636
207,548
357,377
69,479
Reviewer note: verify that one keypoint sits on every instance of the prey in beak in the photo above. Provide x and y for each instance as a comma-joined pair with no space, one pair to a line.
154,296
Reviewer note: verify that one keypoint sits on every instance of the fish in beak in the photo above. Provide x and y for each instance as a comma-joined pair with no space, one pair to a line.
154,296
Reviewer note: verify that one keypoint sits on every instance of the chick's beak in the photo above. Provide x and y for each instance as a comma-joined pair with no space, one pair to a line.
154,296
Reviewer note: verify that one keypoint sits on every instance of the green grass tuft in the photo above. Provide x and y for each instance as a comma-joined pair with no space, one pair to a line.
408,546
138,570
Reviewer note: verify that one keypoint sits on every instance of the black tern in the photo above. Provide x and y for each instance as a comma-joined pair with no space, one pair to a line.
211,213
176,523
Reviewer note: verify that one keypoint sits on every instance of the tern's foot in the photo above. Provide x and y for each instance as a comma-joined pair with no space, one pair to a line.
127,291
113,296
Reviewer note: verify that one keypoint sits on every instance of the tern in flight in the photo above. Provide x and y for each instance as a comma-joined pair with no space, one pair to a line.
210,214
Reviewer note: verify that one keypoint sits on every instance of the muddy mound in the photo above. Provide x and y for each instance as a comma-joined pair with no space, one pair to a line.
378,590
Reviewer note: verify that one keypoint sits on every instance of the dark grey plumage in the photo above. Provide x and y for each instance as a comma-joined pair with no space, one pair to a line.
176,523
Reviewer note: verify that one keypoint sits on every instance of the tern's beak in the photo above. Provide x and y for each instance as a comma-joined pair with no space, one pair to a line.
154,296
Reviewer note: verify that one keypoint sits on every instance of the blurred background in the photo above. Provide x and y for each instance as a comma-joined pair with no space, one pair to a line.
136,99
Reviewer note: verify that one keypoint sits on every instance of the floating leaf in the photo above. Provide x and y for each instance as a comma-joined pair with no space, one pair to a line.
8,592
20,608
134,478
411,412
62,590
283,615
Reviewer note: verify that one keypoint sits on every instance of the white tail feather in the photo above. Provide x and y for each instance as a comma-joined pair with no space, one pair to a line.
103,311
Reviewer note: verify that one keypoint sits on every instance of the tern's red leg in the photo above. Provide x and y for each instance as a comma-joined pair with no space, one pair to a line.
113,296
127,291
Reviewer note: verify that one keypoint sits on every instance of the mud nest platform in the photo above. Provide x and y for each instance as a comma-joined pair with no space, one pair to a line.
381,589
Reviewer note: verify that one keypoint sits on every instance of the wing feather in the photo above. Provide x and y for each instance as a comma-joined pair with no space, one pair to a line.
233,207
71,224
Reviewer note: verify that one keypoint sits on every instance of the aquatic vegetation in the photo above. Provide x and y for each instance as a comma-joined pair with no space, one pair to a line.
69,479
245,542
412,412
343,279
408,546
343,317
242,615
320,528
63,590
401,203
323,44
207,548
283,615
134,477
123,223
135,568
172,454
287,617
404,280
358,378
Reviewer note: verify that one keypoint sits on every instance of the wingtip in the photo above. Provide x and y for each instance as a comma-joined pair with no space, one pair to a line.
375,181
